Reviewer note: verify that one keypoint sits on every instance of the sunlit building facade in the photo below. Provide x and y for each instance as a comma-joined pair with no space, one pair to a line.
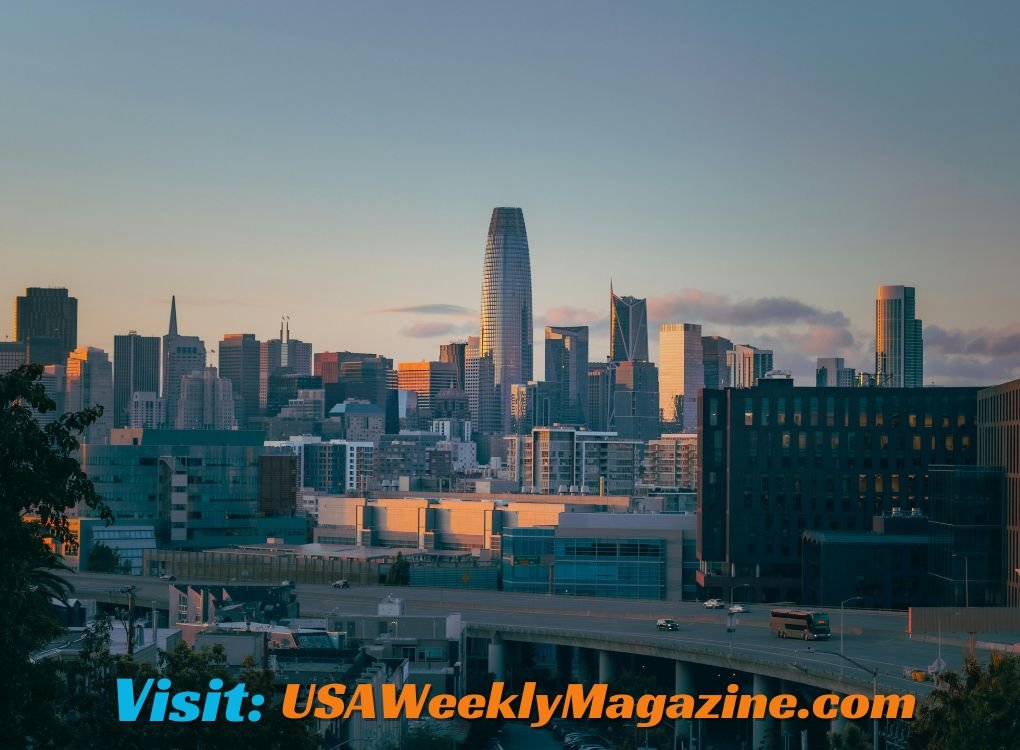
899,350
681,375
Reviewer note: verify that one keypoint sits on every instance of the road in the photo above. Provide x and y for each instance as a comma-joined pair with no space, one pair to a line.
878,640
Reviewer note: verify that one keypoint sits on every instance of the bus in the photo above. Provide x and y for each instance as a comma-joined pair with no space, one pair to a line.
795,623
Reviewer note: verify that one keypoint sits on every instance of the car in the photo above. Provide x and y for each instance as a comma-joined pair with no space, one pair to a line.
667,624
739,609
714,604
168,577
343,583
287,583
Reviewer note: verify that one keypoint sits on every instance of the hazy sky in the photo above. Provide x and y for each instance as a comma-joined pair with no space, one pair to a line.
757,167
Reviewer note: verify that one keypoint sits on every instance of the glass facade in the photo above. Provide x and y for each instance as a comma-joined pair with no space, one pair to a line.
899,352
536,561
506,316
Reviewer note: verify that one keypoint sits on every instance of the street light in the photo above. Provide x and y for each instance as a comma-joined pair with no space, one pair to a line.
842,606
966,579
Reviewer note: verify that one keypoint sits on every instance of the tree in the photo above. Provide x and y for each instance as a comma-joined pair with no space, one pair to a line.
851,738
103,559
40,481
400,572
979,707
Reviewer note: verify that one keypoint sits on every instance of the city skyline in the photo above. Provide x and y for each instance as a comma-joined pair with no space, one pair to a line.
753,177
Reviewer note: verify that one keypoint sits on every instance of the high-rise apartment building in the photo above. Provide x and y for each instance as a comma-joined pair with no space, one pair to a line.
747,365
47,313
681,375
454,353
566,370
832,372
671,463
135,368
240,362
899,349
89,382
282,355
713,356
181,355
563,459
206,402
506,316
999,446
628,333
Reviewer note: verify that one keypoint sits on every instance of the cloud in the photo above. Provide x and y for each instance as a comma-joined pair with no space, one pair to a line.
431,328
695,305
565,315
432,309
982,342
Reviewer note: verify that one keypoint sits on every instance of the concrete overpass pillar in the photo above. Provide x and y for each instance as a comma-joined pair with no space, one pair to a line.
564,663
607,672
837,725
497,657
683,684
764,731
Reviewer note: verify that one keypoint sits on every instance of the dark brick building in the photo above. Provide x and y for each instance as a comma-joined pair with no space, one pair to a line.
777,460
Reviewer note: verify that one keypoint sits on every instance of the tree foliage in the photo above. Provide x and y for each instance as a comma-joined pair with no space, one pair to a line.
978,707
851,738
400,572
40,481
103,559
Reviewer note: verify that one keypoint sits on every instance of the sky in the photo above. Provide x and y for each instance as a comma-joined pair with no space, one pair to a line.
758,168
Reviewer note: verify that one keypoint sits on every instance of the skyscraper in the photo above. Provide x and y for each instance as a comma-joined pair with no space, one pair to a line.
899,349
506,315
681,375
206,402
746,365
713,355
566,369
635,407
47,313
88,383
282,354
181,355
453,353
135,368
832,372
628,333
426,379
240,357
12,355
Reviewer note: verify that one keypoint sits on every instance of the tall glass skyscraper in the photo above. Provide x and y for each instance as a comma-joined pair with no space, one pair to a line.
681,375
899,351
506,316
628,336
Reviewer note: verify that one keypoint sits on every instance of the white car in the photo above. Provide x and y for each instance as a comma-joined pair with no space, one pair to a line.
738,609
714,604
343,583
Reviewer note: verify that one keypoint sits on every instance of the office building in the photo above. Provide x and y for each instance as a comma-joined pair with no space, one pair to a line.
506,316
832,372
206,402
330,466
284,386
411,461
135,368
899,349
198,488
89,382
567,460
53,379
240,357
181,355
671,463
600,396
777,460
534,404
359,421
50,314
13,355
635,402
566,370
999,446
885,567
628,332
967,535
681,375
426,379
148,410
746,365
713,357
454,354
282,356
